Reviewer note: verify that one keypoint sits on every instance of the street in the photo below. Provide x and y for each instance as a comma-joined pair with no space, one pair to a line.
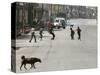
62,53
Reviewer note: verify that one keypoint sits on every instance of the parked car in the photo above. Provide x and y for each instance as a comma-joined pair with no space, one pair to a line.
59,22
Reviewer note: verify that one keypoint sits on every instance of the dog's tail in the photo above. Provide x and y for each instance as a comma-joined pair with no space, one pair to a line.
22,57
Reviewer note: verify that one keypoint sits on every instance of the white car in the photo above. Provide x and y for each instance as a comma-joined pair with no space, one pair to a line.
58,22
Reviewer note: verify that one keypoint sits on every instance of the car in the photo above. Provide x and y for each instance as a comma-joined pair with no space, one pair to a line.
59,22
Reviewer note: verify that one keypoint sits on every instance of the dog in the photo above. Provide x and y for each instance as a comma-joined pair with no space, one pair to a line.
30,61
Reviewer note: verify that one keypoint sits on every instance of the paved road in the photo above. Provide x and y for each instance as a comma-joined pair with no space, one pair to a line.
61,53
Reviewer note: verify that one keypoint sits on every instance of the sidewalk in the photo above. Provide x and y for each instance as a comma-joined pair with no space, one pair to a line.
61,53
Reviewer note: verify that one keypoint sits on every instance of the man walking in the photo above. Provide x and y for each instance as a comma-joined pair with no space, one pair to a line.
72,34
50,29
52,33
33,35
41,32
79,33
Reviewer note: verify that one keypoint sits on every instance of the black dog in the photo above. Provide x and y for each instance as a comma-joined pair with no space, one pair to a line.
31,61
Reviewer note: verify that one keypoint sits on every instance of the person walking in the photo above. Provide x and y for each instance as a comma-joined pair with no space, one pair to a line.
33,35
49,25
41,32
50,29
79,33
72,34
52,33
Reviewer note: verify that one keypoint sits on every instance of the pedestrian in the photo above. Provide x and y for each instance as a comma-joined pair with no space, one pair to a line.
79,33
33,35
49,25
63,24
41,32
52,33
50,29
72,34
